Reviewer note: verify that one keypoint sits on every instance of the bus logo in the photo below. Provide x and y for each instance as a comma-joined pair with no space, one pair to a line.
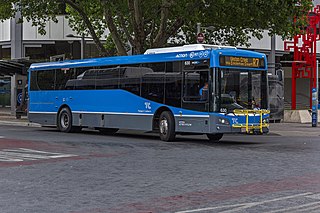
147,105
235,120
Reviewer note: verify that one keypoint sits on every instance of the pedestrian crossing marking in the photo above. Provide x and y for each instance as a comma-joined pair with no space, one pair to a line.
308,207
23,154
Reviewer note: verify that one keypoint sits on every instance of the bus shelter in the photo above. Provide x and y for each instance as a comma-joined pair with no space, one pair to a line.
16,70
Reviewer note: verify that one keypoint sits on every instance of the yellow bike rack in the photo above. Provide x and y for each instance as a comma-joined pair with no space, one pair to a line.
249,128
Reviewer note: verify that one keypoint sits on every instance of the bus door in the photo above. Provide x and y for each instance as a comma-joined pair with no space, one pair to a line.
196,90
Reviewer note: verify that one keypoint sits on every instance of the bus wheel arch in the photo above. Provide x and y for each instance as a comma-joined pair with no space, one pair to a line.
164,121
156,117
64,120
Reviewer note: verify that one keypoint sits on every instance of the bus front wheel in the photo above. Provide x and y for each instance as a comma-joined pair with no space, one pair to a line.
167,126
215,137
65,121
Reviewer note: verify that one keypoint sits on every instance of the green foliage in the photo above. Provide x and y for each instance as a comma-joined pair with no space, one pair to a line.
156,23
93,9
235,22
39,12
6,9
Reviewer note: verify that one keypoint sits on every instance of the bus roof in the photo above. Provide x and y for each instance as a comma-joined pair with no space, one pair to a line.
184,48
212,52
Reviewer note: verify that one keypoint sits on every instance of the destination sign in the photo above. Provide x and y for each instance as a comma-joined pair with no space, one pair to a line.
235,61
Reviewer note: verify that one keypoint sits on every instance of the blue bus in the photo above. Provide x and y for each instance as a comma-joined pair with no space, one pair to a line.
192,89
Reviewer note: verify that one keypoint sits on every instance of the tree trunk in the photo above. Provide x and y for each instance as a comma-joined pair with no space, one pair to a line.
113,30
137,23
102,50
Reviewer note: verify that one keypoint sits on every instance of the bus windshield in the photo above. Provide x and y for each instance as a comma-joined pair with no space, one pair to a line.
241,89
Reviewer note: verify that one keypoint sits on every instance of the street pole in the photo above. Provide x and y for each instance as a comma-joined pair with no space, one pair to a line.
272,61
317,85
315,99
82,47
17,51
198,30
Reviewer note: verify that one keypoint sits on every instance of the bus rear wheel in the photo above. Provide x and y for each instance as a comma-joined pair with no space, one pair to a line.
167,126
65,121
215,137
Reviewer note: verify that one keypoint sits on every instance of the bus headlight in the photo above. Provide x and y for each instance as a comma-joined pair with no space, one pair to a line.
224,121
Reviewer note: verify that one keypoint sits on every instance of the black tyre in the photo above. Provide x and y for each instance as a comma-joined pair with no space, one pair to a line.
215,137
108,131
65,121
167,126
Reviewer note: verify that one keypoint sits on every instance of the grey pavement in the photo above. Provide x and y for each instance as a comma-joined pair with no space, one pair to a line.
294,129
138,173
281,129
6,118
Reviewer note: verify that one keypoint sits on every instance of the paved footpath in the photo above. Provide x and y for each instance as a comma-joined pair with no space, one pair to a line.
294,129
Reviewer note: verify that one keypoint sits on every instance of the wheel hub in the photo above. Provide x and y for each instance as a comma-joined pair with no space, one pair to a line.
164,126
64,121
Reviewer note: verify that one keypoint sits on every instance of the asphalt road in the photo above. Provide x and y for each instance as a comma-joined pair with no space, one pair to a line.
43,170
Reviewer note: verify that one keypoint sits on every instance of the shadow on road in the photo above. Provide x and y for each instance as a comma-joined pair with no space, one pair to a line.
227,140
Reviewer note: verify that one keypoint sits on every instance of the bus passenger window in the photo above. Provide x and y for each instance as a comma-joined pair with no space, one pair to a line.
62,77
173,83
131,78
107,78
45,79
153,86
33,81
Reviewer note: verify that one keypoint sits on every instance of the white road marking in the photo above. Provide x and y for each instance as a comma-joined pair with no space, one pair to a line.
28,151
238,207
2,136
314,196
310,209
315,211
213,208
290,209
22,154
5,159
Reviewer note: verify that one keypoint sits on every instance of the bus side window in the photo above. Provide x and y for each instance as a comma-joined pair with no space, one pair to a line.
107,78
45,79
70,84
87,84
33,81
173,89
62,77
131,79
86,80
152,87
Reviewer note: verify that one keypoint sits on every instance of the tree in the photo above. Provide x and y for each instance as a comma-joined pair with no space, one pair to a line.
158,23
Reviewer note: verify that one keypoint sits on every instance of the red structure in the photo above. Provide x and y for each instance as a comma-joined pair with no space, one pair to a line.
305,48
